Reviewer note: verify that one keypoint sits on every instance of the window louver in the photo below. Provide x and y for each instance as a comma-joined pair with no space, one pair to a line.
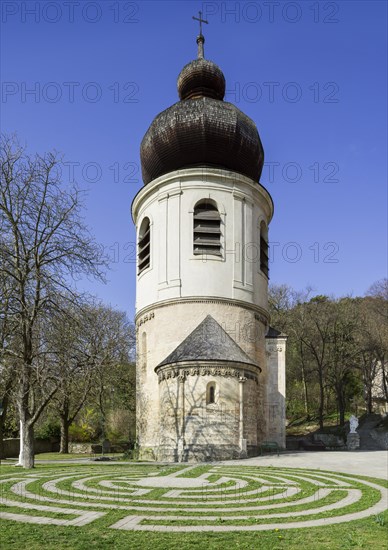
144,248
264,256
207,230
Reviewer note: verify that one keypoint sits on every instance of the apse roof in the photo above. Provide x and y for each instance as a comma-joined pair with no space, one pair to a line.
208,342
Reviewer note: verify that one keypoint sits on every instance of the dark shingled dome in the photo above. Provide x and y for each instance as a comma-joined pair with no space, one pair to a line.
201,77
201,129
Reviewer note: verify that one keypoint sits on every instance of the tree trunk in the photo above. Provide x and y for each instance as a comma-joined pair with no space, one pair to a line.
304,382
2,423
368,377
321,400
341,412
27,456
21,427
305,397
384,376
341,401
2,452
369,402
65,424
28,418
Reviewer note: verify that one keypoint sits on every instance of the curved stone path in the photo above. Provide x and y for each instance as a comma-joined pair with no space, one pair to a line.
208,498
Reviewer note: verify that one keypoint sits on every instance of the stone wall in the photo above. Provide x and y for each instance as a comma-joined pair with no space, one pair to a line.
275,395
80,448
330,440
157,337
191,429
12,447
381,437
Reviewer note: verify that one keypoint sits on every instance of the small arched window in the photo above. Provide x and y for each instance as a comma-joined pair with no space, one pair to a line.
211,393
144,247
207,229
264,249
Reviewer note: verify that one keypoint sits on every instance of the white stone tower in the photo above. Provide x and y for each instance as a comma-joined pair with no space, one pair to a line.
208,387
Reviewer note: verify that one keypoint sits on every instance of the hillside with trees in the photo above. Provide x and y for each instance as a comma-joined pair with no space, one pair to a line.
337,351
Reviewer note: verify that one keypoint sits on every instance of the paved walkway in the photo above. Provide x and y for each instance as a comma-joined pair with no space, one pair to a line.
367,463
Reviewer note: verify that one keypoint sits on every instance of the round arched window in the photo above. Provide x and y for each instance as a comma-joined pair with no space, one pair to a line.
264,267
144,246
211,393
207,229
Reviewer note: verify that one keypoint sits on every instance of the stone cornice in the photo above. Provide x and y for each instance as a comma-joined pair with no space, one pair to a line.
206,368
260,313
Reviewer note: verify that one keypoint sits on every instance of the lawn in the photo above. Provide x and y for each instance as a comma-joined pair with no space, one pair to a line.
59,456
252,495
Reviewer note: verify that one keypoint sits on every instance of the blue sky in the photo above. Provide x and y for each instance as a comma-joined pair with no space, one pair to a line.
312,75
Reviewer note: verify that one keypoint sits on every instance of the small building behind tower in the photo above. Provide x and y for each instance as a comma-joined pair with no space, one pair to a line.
210,369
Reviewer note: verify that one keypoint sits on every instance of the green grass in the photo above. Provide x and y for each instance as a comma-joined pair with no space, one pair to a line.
367,533
353,535
77,456
70,456
195,472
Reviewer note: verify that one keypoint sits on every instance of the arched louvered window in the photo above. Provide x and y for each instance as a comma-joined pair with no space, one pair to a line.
264,249
144,247
207,229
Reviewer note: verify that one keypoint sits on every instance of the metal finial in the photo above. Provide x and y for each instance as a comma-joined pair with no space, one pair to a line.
200,37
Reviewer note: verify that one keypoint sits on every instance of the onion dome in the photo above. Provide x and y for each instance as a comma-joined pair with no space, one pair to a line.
201,129
199,78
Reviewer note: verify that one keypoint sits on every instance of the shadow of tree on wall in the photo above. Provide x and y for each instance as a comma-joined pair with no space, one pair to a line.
197,431
142,415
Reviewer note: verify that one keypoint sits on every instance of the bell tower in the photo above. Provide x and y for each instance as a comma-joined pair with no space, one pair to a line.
202,280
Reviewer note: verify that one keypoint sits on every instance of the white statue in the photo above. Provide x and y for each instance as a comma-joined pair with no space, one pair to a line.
353,422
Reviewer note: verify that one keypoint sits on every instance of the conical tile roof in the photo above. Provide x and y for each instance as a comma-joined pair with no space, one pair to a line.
208,342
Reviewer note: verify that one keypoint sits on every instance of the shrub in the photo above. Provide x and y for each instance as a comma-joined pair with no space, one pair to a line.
48,429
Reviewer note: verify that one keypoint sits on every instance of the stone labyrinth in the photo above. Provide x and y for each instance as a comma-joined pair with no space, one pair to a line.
188,498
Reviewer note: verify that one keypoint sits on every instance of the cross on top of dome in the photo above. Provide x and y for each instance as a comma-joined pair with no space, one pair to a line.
200,37
200,21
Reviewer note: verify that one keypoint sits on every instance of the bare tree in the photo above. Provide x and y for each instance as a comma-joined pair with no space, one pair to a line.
335,347
373,312
112,341
379,289
289,315
6,374
92,341
6,385
69,339
315,319
44,244
344,352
